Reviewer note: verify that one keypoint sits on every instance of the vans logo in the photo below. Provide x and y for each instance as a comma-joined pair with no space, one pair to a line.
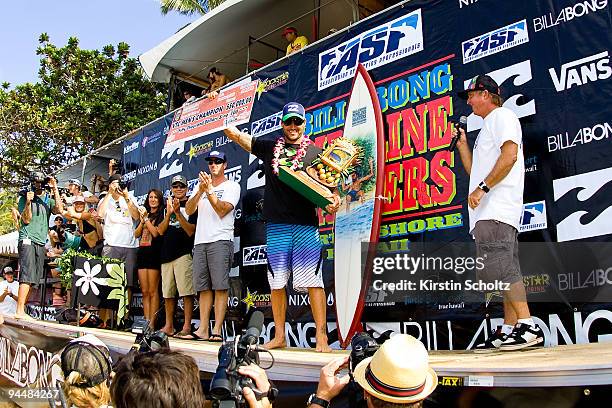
379,46
582,71
495,41
584,205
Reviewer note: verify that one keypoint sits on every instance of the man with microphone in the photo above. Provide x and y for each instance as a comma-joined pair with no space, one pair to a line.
497,174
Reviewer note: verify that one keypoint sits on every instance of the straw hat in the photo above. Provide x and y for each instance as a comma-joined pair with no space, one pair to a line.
398,372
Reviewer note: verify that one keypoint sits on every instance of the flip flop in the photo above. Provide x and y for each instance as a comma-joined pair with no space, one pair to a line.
215,338
180,333
190,336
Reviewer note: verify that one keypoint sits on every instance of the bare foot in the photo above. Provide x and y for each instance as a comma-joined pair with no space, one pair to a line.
275,343
24,316
322,346
168,330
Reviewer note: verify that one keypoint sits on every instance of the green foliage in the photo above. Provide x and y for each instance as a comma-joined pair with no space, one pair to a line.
8,199
84,99
189,7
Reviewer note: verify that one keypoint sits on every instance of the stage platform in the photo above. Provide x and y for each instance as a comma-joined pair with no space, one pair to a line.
570,365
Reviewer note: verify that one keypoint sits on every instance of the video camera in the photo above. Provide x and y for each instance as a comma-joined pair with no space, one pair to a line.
362,346
227,383
33,178
146,339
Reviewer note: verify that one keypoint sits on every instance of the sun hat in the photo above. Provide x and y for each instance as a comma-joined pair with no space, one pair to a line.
398,372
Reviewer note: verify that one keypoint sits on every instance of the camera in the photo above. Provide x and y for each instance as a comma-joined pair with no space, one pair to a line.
147,339
362,346
33,178
227,383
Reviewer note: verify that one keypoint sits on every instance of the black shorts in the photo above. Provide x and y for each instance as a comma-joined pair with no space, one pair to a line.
31,262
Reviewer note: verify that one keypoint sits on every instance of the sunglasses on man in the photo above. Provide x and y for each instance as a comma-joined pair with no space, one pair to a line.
179,186
293,120
216,161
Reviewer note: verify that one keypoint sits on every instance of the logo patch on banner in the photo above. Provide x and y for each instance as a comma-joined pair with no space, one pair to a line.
271,83
584,203
519,74
534,216
255,255
130,148
582,71
495,41
562,141
379,46
567,14
267,125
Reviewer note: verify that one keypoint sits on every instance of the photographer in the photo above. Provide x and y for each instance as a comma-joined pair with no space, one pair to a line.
119,211
397,374
35,207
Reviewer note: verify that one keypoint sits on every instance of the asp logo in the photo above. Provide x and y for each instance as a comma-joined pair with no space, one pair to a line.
519,74
495,41
379,46
534,217
267,125
255,255
584,205
582,71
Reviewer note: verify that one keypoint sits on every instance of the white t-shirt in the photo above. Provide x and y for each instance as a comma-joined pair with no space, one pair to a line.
504,202
119,224
9,305
210,226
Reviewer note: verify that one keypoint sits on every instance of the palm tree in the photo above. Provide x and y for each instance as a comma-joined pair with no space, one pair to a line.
189,6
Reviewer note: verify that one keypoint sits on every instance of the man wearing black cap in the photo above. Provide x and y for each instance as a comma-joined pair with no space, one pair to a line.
292,235
497,175
119,213
178,229
296,42
215,199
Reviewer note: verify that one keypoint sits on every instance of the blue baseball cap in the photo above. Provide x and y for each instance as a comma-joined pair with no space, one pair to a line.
215,154
294,110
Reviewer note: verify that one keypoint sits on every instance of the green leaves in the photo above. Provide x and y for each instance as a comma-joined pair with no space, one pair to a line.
83,100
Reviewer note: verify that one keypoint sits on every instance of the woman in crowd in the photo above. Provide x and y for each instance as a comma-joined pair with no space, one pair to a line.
88,228
148,260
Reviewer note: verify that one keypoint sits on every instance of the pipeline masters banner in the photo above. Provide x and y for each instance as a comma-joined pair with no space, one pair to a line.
552,62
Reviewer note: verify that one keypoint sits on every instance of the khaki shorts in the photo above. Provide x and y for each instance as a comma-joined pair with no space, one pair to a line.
177,276
497,243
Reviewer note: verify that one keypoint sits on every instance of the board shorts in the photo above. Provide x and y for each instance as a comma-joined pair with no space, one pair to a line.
294,250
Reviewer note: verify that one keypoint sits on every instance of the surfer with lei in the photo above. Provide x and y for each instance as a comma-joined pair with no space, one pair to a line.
292,234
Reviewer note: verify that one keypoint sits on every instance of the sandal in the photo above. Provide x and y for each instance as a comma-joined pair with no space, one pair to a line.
215,338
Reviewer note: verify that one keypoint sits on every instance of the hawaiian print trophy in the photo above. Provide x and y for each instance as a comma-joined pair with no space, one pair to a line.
325,173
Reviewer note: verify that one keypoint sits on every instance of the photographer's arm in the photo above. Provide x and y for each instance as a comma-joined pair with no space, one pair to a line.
104,206
133,209
331,385
59,204
262,383
26,213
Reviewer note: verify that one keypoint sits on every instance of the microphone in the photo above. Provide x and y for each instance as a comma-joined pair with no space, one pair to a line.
251,336
462,124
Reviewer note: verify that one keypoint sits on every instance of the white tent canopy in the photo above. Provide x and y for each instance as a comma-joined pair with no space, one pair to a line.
220,38
8,243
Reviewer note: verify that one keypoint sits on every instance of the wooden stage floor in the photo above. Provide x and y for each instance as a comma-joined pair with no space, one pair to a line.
570,365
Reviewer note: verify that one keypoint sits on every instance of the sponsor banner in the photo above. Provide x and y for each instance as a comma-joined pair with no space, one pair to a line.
581,71
495,41
231,107
255,255
560,16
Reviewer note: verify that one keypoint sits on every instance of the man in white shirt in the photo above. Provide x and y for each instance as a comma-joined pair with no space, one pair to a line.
9,288
215,198
119,212
497,175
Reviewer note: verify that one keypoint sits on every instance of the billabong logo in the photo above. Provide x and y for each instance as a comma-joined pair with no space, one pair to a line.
266,125
566,14
379,46
255,255
495,41
582,71
585,135
171,159
128,148
520,74
584,205
534,216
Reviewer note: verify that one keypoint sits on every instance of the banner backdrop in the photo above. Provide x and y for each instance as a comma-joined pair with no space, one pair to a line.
551,59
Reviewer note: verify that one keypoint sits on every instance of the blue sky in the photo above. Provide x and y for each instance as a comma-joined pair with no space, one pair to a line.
94,22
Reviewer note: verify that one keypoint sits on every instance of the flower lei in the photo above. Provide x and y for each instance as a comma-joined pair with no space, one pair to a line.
279,147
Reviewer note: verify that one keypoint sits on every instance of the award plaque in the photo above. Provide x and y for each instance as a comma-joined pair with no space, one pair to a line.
324,174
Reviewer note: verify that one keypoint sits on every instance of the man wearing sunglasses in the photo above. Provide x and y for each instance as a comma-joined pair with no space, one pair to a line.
293,244
178,229
215,199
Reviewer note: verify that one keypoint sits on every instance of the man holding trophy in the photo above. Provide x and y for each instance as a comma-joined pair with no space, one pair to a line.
292,235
